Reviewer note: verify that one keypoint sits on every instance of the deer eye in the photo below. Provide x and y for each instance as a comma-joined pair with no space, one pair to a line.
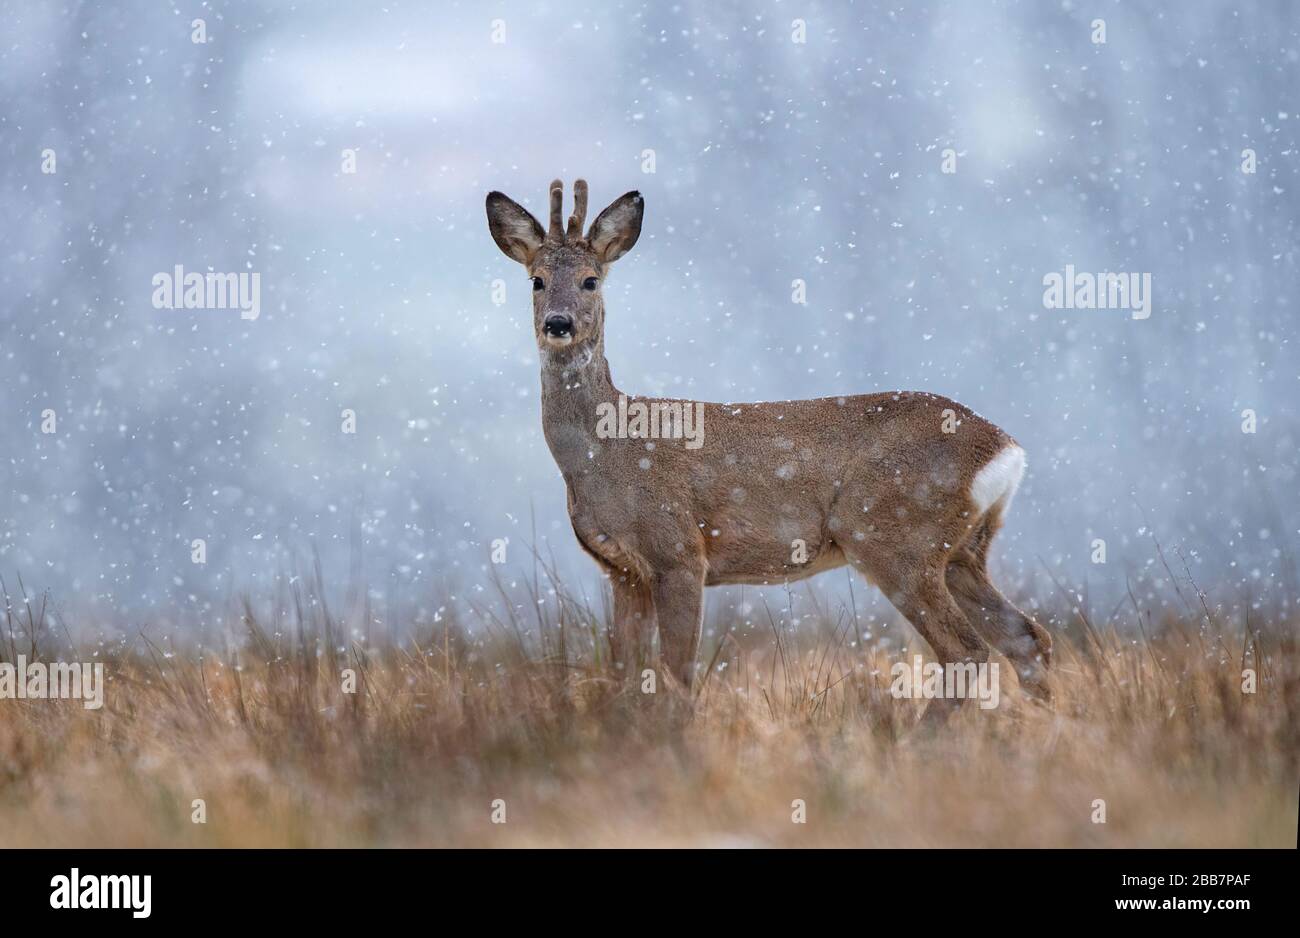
538,284
590,283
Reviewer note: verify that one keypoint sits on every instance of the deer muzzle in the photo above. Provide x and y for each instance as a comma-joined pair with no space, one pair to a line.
558,326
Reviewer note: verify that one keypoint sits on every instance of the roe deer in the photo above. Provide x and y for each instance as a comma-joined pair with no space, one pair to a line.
907,487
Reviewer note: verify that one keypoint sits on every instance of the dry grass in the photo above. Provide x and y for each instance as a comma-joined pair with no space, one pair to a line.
530,712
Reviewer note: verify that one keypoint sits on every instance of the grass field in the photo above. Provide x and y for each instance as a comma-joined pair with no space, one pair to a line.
528,711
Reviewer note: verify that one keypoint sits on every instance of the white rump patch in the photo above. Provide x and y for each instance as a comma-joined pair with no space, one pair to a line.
998,481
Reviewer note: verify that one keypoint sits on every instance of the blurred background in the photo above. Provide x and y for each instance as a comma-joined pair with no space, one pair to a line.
773,160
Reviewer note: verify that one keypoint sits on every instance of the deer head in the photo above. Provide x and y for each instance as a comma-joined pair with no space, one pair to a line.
567,269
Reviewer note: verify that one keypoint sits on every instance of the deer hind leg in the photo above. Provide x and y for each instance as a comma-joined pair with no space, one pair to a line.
917,588
1025,643
634,616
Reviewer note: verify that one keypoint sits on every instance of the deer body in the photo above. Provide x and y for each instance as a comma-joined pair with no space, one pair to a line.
906,487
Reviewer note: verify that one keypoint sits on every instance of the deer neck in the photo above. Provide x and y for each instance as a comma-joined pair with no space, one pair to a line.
574,383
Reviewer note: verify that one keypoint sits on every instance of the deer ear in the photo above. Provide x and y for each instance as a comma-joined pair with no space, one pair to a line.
516,232
616,229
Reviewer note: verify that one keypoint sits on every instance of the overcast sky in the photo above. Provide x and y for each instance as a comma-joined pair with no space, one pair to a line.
773,160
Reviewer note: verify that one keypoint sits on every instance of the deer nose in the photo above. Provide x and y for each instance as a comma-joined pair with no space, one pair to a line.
558,325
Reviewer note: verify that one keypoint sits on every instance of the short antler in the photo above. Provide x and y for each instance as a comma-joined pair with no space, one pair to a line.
556,232
579,216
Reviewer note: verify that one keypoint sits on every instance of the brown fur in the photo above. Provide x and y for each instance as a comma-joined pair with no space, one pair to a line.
870,480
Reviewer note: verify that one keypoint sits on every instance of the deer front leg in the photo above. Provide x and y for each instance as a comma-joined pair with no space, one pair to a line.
633,618
679,599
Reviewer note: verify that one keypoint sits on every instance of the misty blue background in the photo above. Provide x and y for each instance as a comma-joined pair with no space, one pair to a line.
774,161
